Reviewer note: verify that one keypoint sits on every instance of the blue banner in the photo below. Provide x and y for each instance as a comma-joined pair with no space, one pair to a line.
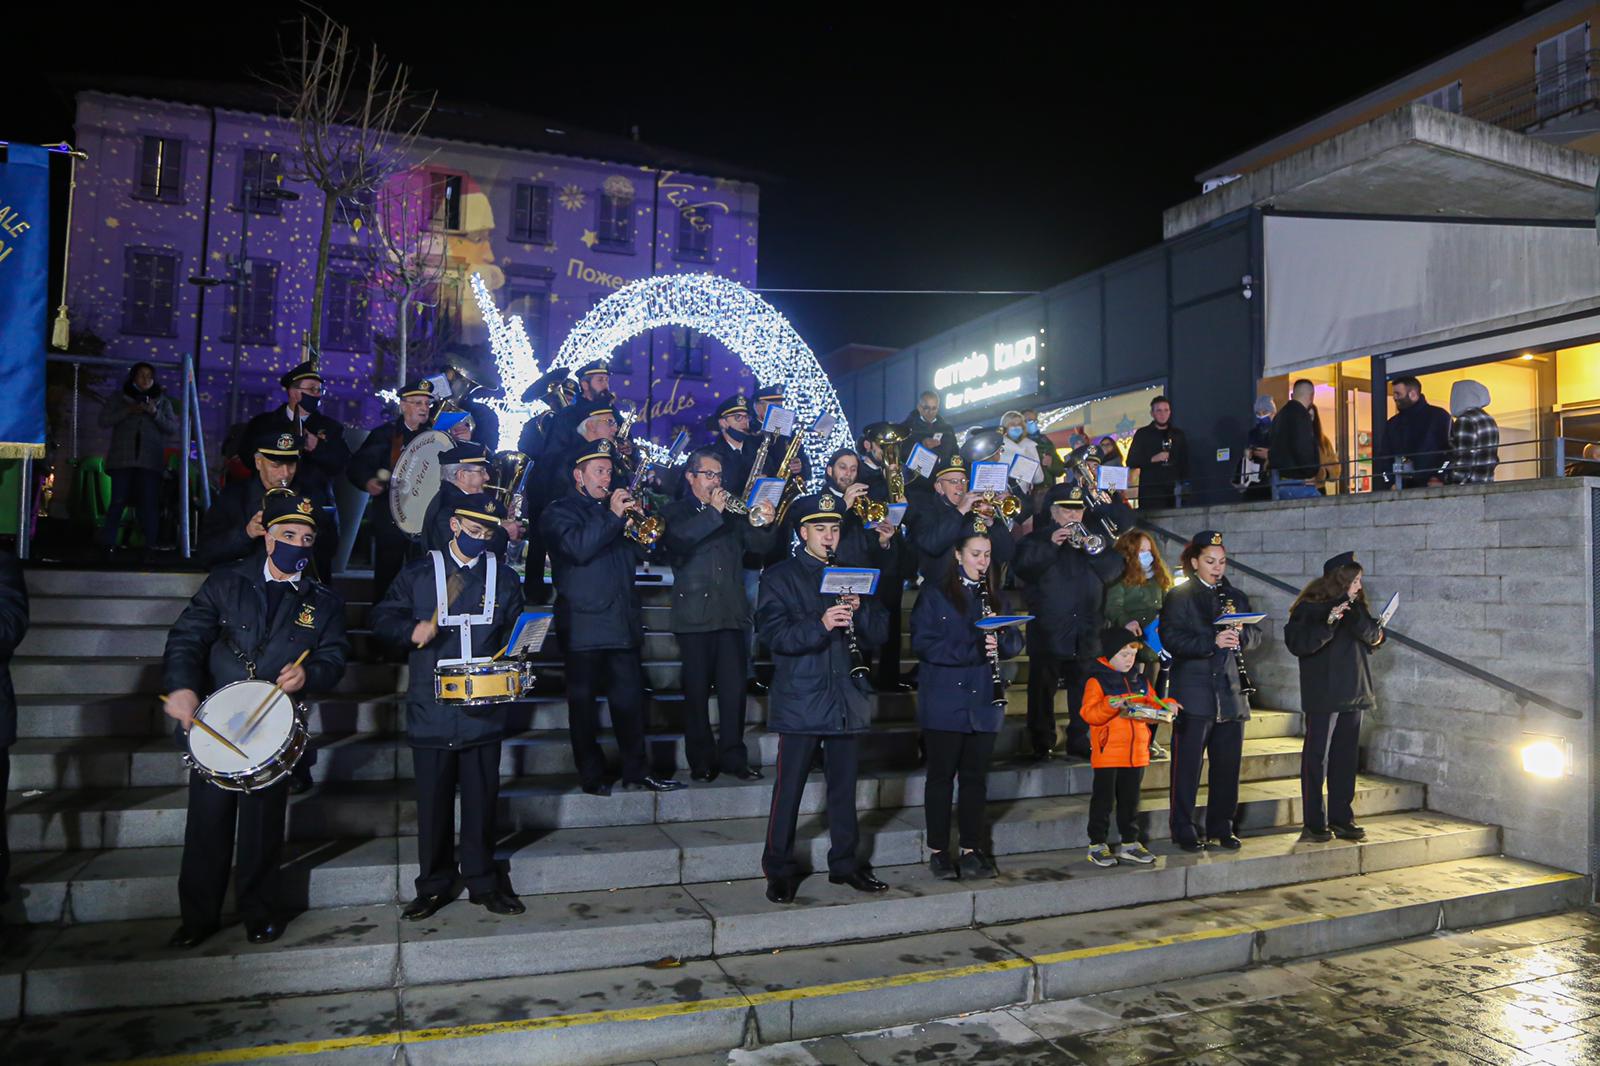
24,274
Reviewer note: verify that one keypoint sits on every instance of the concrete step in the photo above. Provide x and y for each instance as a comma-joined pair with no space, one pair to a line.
44,582
105,610
125,884
34,676
719,828
551,965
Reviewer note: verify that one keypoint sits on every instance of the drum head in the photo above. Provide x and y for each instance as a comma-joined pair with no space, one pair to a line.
227,711
414,481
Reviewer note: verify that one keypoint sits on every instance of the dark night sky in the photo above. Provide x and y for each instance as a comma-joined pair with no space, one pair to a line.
918,151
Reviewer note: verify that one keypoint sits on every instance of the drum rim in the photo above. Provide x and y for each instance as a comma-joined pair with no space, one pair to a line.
299,726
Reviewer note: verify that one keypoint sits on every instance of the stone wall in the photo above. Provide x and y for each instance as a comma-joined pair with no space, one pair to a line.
1501,576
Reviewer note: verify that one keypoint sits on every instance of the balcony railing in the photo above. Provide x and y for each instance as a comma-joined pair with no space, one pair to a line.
1555,93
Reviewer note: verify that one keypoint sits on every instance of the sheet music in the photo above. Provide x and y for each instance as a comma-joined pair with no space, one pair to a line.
767,490
823,425
845,580
779,420
921,460
1024,468
1389,609
990,477
1113,478
897,514
528,636
1001,621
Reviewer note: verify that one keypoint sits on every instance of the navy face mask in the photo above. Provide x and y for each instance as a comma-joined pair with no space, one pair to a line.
290,558
309,404
469,546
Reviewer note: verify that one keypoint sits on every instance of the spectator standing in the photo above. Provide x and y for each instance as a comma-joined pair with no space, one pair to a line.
924,426
1254,480
141,419
1416,439
1474,436
1017,442
1160,453
1293,453
1054,466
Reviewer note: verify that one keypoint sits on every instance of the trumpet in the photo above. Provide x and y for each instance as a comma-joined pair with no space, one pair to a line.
642,528
870,511
1083,540
988,504
1077,460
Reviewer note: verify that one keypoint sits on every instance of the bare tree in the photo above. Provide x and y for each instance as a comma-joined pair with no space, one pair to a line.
409,254
356,123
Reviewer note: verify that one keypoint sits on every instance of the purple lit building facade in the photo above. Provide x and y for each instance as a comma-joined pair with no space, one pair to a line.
163,197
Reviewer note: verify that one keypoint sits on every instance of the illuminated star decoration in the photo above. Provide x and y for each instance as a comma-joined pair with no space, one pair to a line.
742,321
590,238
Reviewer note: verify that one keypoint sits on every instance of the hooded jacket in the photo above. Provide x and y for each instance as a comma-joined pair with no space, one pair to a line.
1114,741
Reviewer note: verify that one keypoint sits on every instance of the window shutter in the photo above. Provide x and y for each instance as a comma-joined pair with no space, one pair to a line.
171,169
521,222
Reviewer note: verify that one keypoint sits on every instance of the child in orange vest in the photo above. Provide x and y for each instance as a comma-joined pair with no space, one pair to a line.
1119,748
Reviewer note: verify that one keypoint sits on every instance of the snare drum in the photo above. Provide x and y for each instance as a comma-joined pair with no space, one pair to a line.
271,748
481,683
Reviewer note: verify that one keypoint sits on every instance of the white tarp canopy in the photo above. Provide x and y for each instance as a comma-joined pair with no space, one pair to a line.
1341,288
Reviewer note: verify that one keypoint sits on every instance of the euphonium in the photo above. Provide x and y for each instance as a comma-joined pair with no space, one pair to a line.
642,527
796,484
888,441
870,511
1077,461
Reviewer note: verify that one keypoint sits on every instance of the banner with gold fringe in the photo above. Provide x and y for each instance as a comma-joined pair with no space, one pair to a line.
24,274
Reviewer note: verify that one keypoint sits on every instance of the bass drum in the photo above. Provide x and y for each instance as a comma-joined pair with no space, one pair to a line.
414,482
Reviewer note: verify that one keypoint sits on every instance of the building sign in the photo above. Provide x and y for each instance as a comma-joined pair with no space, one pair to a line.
1012,369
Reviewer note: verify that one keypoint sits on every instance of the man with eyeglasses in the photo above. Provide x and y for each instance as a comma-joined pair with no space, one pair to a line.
323,452
711,617
924,426
935,523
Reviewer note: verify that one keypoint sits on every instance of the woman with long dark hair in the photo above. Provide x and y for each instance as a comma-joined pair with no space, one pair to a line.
1133,601
141,419
955,702
1206,660
1332,631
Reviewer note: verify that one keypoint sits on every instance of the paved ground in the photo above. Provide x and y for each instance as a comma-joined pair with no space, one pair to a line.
1523,993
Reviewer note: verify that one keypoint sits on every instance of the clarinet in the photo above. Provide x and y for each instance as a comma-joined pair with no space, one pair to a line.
858,662
998,692
1246,686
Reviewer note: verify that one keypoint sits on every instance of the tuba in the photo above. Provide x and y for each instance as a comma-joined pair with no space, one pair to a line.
1077,462
888,439
507,474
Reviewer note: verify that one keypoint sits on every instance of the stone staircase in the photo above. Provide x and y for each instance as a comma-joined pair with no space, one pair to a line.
647,932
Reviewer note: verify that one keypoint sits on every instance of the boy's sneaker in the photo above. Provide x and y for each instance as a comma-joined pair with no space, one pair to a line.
1312,835
1136,852
1157,751
977,864
940,866
1347,831
1100,855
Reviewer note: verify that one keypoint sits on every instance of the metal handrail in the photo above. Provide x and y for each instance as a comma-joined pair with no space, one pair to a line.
1522,695
1568,87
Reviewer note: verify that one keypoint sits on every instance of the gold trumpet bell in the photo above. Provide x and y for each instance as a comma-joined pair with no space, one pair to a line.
870,511
1010,506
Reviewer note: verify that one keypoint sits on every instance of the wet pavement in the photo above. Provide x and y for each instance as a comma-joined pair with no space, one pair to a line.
1526,992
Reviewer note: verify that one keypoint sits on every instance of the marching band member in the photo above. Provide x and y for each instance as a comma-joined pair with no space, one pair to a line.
1065,587
324,454
234,525
553,388
463,471
599,619
467,372
735,446
250,620
453,605
815,702
1205,680
706,543
938,521
766,396
956,707
369,471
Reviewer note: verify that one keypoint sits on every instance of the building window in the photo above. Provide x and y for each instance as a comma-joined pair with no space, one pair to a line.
533,304
161,170
344,311
694,235
445,194
1446,98
530,214
260,168
688,353
1561,71
149,292
615,224
258,304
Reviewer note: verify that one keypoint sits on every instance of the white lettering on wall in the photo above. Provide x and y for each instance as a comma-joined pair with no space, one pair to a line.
973,371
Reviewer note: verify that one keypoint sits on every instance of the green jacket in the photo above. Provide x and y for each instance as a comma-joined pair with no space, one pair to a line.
1134,603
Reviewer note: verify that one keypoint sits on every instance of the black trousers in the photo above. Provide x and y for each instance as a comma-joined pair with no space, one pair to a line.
440,771
1115,787
1047,672
389,550
795,752
534,589
1195,738
1331,753
952,758
208,852
5,843
141,488
622,674
717,657
887,671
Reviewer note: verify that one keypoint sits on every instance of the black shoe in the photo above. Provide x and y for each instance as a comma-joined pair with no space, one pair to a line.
749,773
755,688
1078,751
1191,845
976,864
654,784
1315,836
601,789
263,932
423,907
940,866
188,938
780,889
1347,831
861,881
299,785
704,775
498,902
1042,756
1229,842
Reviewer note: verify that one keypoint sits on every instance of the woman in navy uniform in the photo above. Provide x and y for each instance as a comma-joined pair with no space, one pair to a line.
815,703
250,620
1205,680
454,745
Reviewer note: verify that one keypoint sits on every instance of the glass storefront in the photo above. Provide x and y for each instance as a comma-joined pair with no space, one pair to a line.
1344,410
1073,425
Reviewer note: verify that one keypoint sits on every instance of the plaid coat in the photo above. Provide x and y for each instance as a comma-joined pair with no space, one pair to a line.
1474,447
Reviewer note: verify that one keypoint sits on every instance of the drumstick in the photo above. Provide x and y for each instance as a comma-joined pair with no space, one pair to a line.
433,620
218,737
499,653
277,690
